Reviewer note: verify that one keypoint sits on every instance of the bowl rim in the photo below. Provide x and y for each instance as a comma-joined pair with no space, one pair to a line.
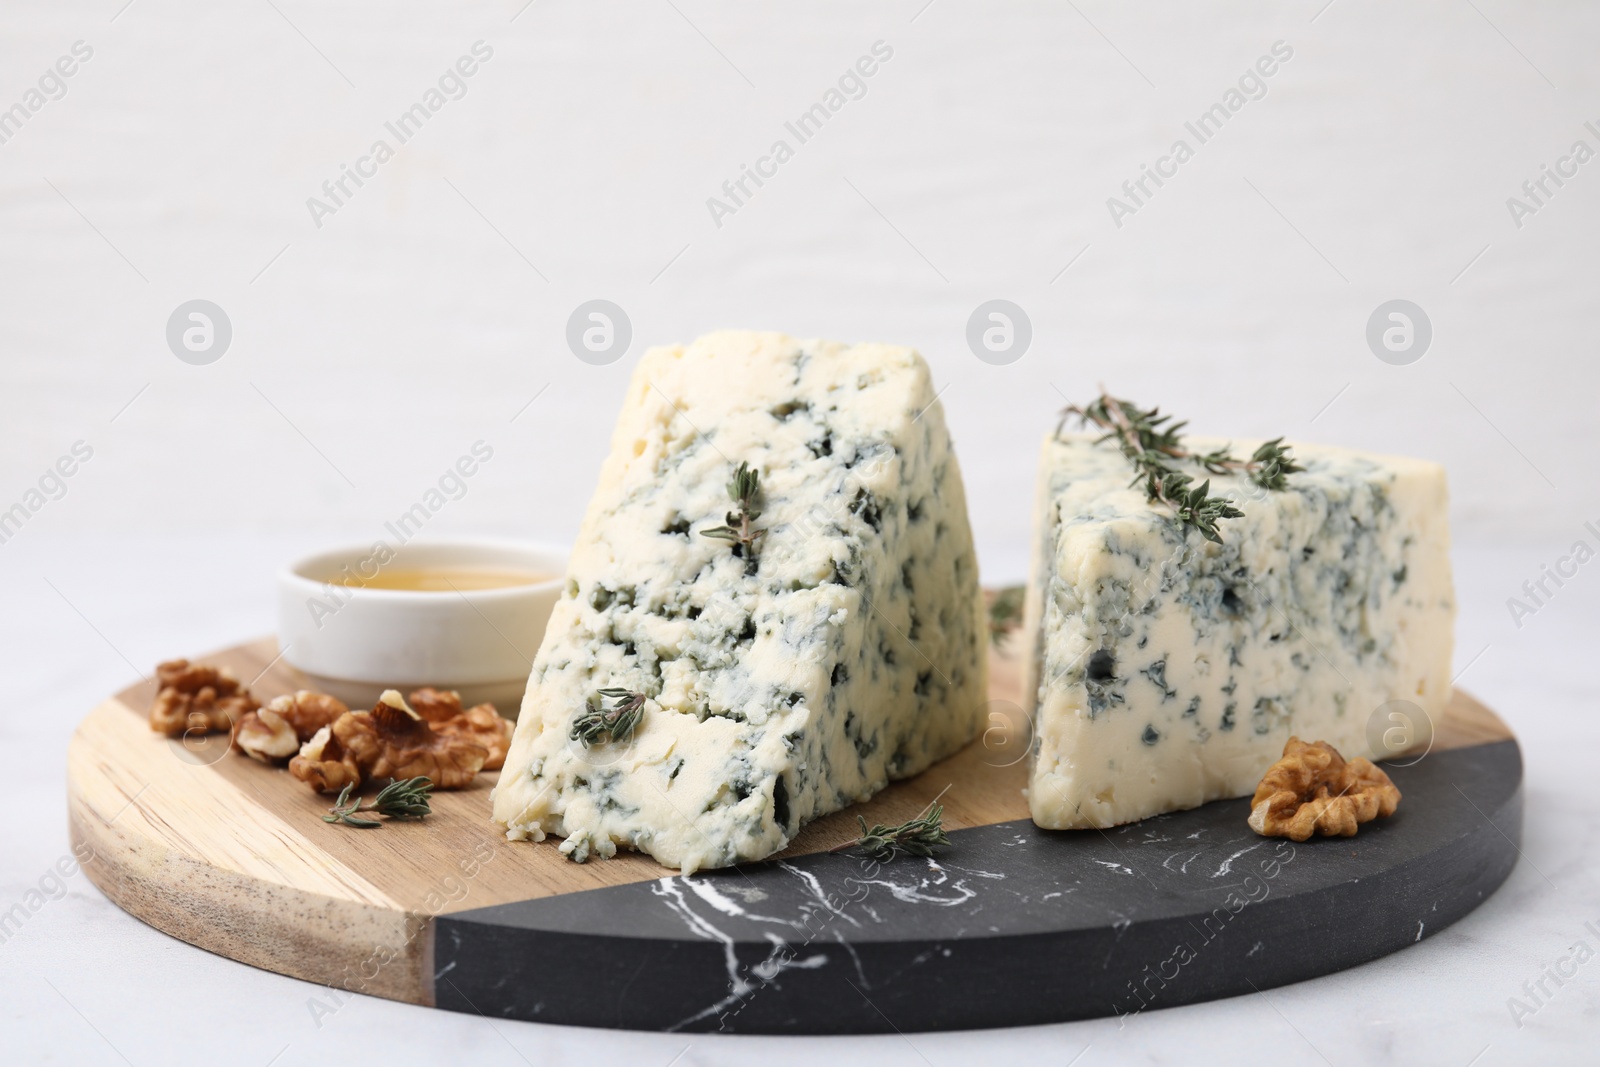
549,554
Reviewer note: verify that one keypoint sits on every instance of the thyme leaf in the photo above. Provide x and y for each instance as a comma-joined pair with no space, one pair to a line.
1271,463
615,722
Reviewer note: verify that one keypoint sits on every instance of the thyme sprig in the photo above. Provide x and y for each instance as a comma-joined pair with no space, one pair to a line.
922,836
1153,443
615,723
398,800
744,488
1005,612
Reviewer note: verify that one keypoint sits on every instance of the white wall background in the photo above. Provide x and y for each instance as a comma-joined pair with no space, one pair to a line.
406,327
370,353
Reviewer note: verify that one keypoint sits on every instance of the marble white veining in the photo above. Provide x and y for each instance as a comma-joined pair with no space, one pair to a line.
855,958
993,875
1227,864
705,903
1182,868
1115,866
917,892
782,955
814,887
711,895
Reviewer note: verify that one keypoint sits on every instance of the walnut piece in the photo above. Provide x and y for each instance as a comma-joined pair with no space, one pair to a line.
390,741
480,724
192,697
405,745
265,735
1313,790
275,733
325,764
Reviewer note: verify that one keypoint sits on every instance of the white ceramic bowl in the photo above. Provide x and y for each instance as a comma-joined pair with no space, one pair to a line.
355,642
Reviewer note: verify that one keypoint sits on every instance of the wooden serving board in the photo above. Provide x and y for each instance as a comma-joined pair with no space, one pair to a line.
1012,925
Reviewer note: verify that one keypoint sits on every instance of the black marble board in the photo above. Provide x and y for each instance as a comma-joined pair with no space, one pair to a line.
1012,925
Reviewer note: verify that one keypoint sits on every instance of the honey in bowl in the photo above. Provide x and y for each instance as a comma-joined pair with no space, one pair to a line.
446,578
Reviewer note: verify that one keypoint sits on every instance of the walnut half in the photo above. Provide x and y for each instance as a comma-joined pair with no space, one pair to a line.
325,764
1312,790
390,741
480,724
275,733
194,697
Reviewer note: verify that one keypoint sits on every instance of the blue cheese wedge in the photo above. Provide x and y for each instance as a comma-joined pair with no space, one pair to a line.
847,651
1168,671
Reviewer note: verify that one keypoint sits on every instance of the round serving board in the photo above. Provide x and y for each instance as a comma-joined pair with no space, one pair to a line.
1012,925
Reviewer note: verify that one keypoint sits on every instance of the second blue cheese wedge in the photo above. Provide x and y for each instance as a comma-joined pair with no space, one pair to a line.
837,646
1169,670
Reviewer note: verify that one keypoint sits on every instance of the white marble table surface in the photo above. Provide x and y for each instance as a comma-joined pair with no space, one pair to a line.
429,312
84,983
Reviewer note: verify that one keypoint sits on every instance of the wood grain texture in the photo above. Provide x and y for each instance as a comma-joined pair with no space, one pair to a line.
233,856
177,844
